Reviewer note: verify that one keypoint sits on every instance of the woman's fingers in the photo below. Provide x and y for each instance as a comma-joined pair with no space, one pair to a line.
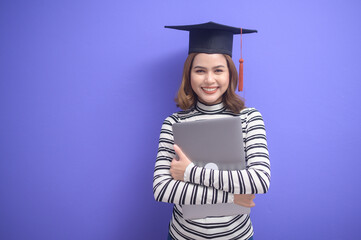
178,151
178,167
245,200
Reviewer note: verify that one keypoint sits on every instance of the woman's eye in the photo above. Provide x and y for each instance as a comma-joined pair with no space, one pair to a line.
199,71
219,70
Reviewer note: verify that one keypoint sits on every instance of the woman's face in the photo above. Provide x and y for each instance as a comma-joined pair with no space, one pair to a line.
209,77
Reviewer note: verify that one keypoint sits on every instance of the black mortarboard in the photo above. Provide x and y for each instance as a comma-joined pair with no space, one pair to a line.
212,37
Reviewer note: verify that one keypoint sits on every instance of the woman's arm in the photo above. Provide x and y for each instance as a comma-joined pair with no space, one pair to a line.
166,189
254,179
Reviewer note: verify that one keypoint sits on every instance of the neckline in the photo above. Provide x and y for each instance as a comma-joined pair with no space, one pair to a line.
214,108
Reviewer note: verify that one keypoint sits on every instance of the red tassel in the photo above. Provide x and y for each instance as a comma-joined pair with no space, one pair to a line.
240,77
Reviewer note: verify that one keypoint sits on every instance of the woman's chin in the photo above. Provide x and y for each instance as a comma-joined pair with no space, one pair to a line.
210,100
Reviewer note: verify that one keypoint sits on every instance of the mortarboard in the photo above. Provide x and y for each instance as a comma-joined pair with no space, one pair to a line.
212,37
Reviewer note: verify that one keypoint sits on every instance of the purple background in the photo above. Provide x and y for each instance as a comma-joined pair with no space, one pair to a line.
85,86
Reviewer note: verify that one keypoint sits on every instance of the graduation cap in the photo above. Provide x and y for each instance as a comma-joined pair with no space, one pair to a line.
212,37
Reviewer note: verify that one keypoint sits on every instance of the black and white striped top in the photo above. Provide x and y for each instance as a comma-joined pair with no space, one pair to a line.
205,186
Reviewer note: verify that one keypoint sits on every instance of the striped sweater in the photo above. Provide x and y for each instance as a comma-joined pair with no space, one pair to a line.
206,186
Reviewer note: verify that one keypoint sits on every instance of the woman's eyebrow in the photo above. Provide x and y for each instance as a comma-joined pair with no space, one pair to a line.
219,66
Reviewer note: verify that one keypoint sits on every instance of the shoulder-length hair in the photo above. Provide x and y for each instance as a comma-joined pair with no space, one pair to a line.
186,97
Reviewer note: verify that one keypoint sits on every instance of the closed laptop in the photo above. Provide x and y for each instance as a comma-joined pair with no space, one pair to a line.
212,143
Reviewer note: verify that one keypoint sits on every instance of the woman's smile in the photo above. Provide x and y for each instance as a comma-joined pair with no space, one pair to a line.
210,90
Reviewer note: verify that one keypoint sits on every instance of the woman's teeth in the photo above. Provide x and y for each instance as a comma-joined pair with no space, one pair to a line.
209,89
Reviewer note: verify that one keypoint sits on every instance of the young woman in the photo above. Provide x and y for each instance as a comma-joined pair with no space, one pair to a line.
207,91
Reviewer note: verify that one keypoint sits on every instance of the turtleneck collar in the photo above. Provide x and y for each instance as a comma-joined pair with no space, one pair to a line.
210,109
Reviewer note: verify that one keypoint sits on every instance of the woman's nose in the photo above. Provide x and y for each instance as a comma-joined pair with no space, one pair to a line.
209,78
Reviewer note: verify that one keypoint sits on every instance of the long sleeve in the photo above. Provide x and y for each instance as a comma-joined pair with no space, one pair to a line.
255,178
166,189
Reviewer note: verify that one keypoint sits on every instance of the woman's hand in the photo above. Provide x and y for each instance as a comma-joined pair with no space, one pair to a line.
178,167
245,200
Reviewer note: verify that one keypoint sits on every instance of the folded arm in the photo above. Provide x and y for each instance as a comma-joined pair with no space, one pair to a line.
255,178
167,189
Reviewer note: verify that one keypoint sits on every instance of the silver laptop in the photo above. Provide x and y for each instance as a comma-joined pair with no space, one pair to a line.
212,143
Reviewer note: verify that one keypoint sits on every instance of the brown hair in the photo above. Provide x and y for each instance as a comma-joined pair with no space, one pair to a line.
186,97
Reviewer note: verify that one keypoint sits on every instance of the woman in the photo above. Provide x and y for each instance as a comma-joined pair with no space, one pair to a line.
207,92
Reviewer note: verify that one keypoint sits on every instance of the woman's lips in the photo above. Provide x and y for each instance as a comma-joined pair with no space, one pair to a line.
209,90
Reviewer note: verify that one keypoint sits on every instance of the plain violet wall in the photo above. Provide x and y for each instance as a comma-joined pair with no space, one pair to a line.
86,85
